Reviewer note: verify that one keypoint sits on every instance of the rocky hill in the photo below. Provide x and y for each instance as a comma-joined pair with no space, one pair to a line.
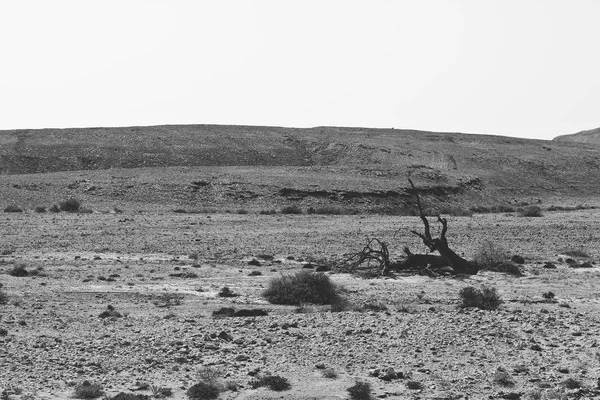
257,167
591,136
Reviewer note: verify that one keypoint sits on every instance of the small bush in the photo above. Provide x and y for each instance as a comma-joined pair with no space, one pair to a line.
129,396
329,373
40,209
375,306
70,205
88,390
486,298
331,210
226,292
223,312
3,297
580,252
267,212
255,273
571,383
13,209
456,211
203,391
507,268
489,255
54,209
210,375
293,209
414,385
303,287
273,382
360,391
19,270
531,211
241,211
502,377
548,295
110,312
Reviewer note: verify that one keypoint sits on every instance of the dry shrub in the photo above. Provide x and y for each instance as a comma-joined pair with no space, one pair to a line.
19,270
13,208
456,211
360,391
578,252
274,382
485,298
88,390
70,205
489,255
293,209
330,373
203,391
303,287
531,211
3,297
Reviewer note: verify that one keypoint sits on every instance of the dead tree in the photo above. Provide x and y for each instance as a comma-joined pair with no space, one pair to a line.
372,260
458,264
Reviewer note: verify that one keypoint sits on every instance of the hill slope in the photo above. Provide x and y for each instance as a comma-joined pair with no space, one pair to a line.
591,136
207,165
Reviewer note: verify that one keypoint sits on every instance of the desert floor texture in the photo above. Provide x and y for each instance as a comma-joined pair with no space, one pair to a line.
162,272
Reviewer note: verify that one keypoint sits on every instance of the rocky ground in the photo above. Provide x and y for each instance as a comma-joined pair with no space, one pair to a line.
162,273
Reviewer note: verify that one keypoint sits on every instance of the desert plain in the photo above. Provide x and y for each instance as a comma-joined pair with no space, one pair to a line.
156,244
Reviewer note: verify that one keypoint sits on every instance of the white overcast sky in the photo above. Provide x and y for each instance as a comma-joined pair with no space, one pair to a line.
528,68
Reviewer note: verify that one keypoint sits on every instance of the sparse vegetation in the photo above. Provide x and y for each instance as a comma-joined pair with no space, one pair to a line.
330,373
360,391
226,292
40,209
88,390
531,211
254,273
273,382
501,208
110,312
208,386
129,396
168,300
372,305
488,255
485,298
19,270
502,377
203,391
70,205
456,211
268,212
54,208
3,297
13,209
576,252
571,383
414,385
293,209
331,210
303,287
548,295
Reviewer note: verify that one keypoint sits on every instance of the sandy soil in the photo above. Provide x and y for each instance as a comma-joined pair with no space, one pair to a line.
55,338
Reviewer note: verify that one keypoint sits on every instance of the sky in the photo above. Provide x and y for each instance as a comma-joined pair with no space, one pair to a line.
524,68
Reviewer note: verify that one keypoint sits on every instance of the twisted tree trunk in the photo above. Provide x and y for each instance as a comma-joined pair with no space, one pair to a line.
459,264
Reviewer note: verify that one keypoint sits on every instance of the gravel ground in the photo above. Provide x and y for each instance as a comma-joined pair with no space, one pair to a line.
54,338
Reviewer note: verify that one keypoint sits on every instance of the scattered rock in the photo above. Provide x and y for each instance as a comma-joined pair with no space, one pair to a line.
549,265
254,262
